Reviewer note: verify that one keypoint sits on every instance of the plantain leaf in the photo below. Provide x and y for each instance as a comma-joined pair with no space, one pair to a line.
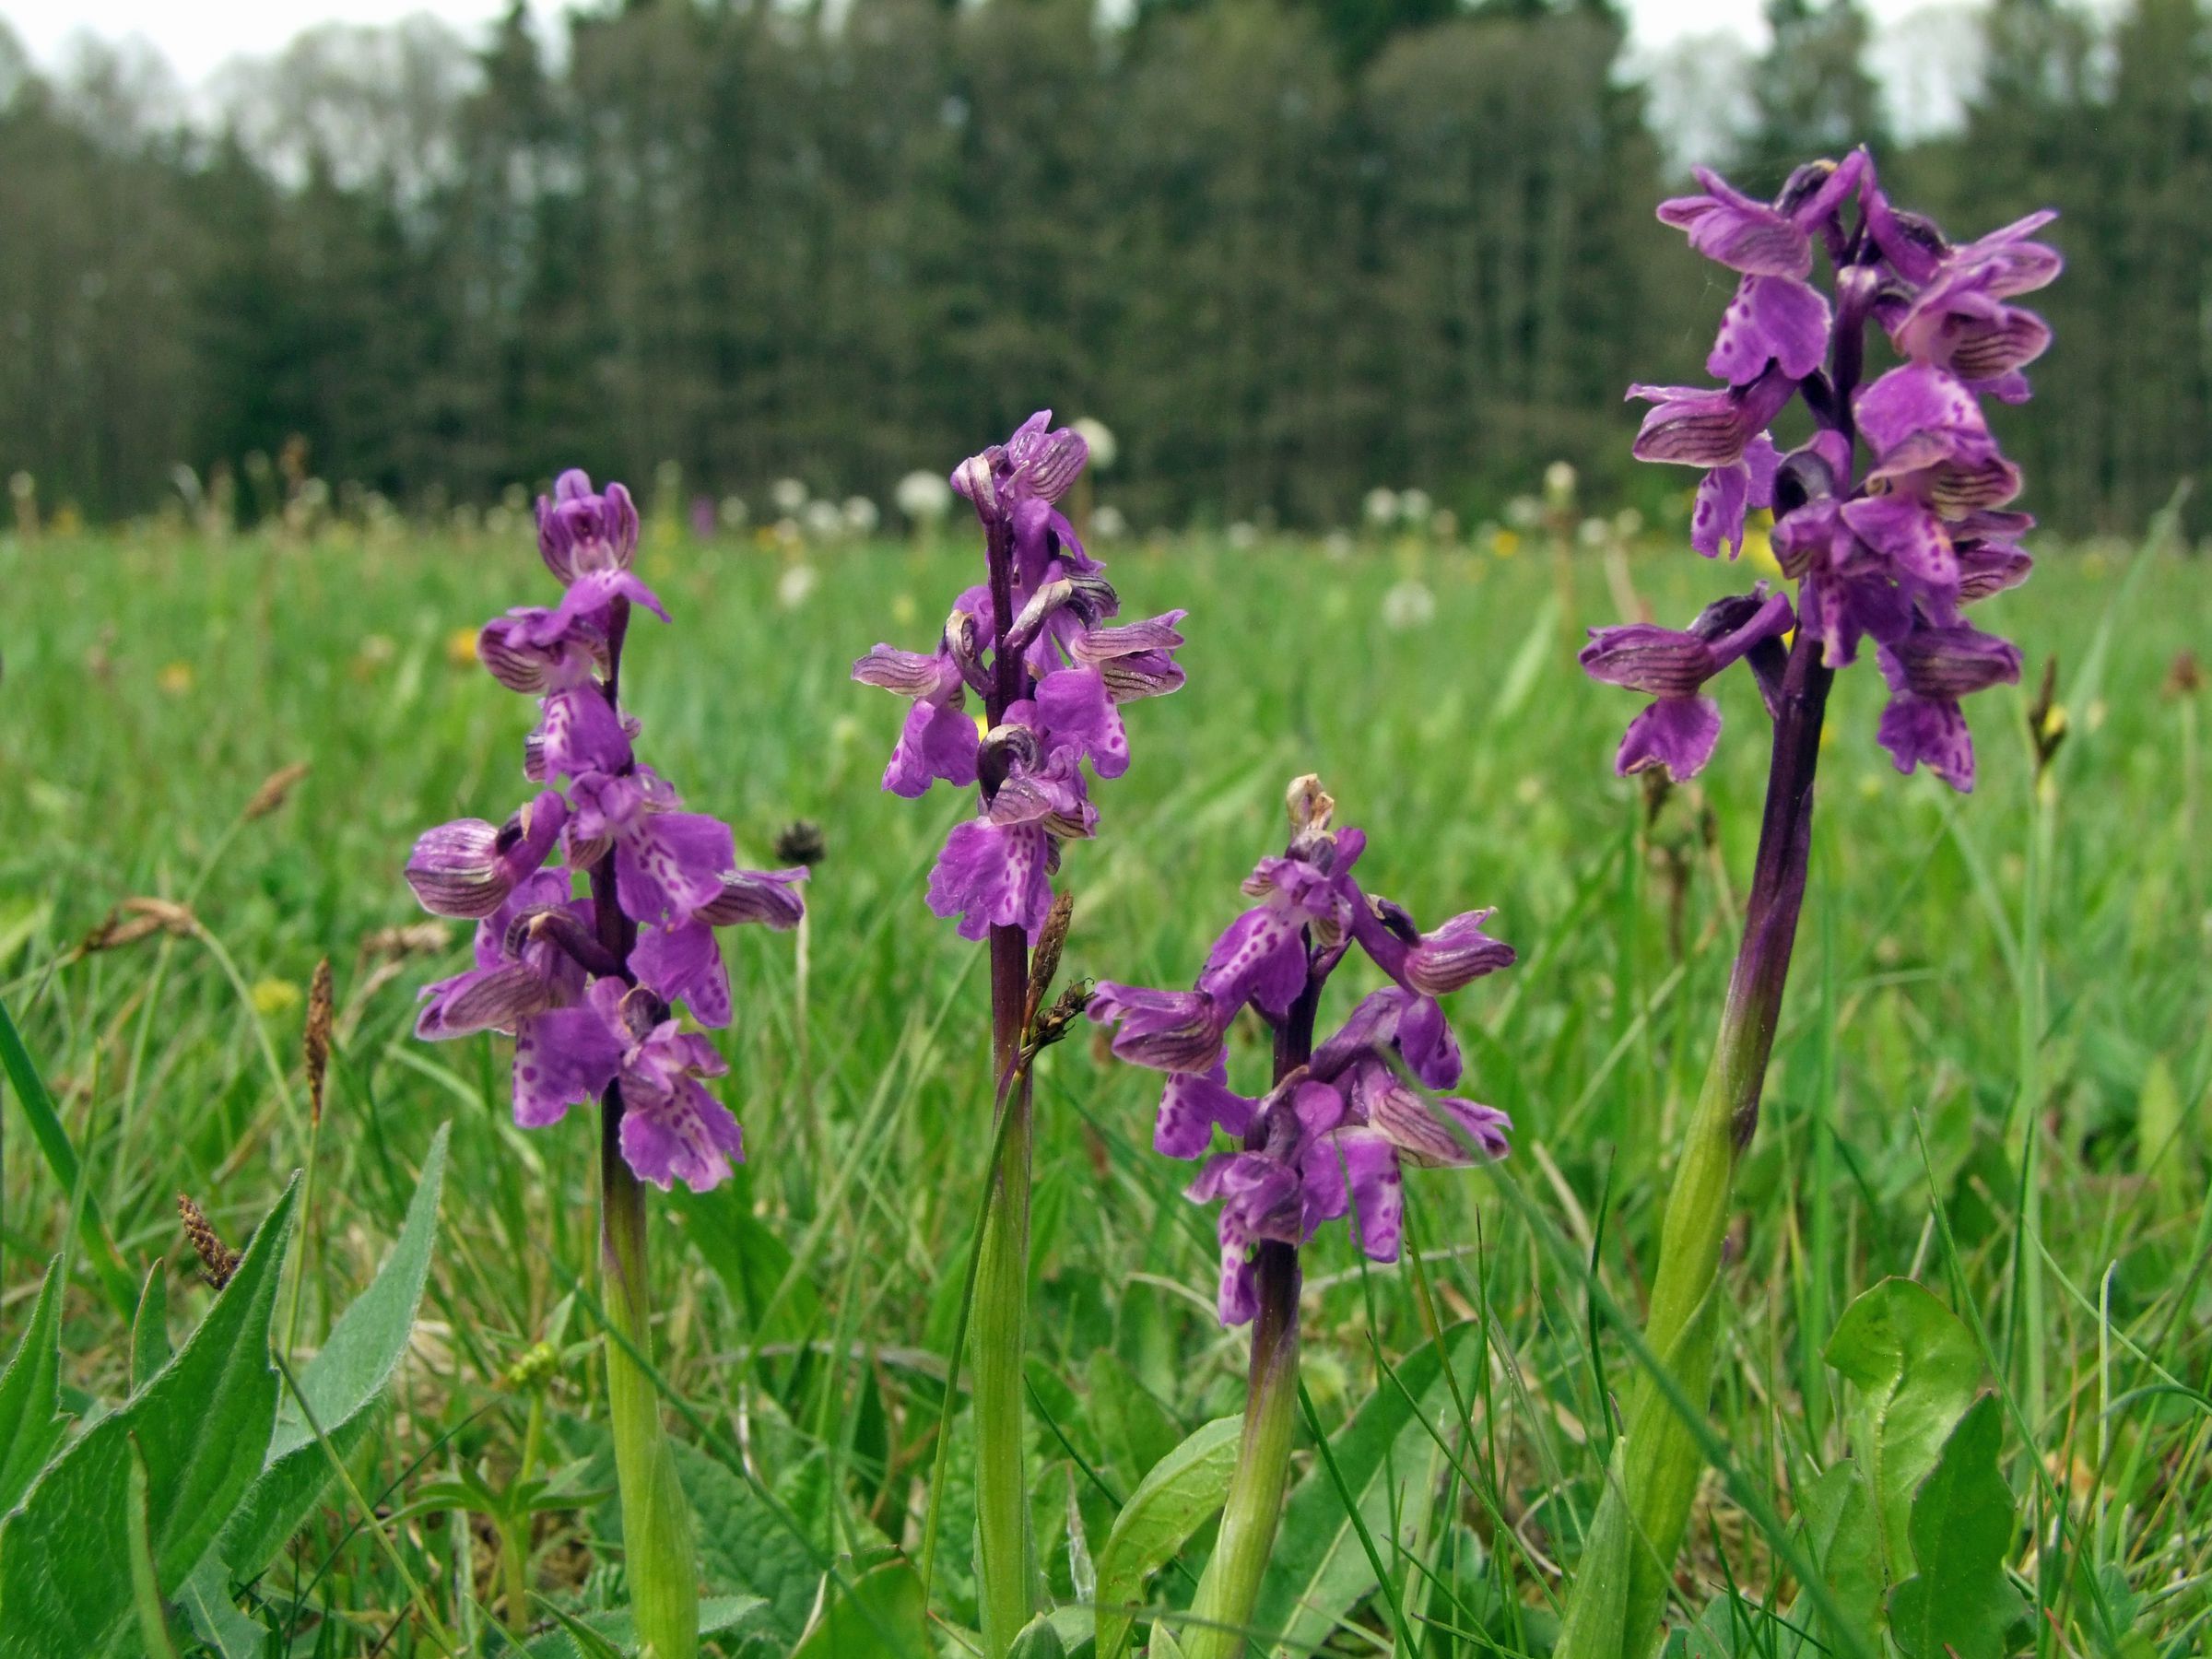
1178,1496
1915,1368
200,1424
1136,1430
876,1615
1961,1604
341,1383
743,1545
31,1394
1841,1534
149,1329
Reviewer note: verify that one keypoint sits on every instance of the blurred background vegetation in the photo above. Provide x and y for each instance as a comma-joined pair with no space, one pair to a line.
1288,249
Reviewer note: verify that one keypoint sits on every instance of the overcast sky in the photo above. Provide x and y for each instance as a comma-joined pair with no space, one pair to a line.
198,38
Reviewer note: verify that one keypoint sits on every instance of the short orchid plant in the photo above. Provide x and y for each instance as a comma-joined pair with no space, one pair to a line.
1328,1138
588,962
1892,517
1033,645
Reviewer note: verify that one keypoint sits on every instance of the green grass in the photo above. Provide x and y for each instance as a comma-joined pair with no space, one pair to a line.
1939,1003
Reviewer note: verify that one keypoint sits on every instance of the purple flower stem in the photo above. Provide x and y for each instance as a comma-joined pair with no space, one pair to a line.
1005,1574
1663,1459
1222,1610
657,1521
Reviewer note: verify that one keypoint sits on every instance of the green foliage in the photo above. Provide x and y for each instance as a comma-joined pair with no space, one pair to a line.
1177,1495
871,1611
149,1330
199,1426
1961,1604
1916,1368
30,1400
1393,1444
336,650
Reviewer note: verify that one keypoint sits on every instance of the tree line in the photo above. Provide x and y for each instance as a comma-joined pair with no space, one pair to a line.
1286,249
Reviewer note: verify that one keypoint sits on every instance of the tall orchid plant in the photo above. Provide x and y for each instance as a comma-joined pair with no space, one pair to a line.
1033,644
1891,519
586,963
1328,1139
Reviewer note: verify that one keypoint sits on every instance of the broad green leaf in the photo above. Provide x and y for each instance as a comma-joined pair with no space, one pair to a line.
201,1425
145,1584
1915,1368
718,1616
1600,1606
876,1614
1136,1429
1038,1640
743,1545
1961,1604
1841,1533
1383,1455
1178,1496
149,1329
1165,1645
31,1394
341,1383
205,1598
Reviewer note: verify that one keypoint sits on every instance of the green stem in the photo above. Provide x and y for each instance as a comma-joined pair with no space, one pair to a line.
657,1522
1662,1460
1231,1588
1002,1281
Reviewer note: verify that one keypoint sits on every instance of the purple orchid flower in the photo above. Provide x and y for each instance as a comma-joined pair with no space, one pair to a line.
1723,431
1679,730
588,986
1887,543
1891,520
468,867
1928,672
1033,643
672,1128
1331,1136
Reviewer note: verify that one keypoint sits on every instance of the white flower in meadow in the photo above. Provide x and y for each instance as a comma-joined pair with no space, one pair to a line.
788,494
924,497
1524,513
1108,525
1381,506
787,533
862,515
1593,533
1558,483
1414,506
733,513
1100,437
823,519
794,585
1408,605
1627,524
1338,544
1243,537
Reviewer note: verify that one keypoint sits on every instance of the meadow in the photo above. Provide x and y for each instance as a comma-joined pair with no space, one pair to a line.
1991,1077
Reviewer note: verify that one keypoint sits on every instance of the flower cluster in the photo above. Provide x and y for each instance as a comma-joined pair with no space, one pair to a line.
1032,643
586,982
1332,1133
1890,518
